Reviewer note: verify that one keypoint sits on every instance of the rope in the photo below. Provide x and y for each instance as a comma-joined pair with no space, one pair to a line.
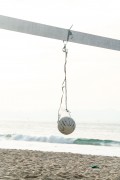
64,85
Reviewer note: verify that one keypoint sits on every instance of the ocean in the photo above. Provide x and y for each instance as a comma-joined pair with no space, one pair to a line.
88,138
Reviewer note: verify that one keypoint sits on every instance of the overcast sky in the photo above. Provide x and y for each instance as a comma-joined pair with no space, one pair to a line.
31,67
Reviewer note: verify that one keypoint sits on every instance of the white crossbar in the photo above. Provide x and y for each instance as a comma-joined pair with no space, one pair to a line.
38,29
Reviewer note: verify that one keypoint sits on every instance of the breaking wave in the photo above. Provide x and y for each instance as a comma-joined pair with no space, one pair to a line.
58,139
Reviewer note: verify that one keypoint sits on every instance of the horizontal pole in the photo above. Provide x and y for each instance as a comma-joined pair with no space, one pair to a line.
38,29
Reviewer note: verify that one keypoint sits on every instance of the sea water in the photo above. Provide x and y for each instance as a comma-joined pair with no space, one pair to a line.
88,138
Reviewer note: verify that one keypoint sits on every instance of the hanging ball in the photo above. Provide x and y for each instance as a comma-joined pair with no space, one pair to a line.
66,125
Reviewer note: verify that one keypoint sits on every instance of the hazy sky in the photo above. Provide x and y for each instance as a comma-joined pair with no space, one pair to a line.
31,67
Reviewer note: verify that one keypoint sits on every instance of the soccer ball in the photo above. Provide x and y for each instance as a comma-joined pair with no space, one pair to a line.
66,125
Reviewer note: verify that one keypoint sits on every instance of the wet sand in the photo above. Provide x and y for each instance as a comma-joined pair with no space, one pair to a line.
36,165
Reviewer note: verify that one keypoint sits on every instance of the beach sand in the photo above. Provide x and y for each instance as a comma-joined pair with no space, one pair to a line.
34,165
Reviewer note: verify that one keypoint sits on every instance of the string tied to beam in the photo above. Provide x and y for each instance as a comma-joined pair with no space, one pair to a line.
64,84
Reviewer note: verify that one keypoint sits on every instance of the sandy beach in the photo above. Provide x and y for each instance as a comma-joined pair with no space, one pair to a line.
34,165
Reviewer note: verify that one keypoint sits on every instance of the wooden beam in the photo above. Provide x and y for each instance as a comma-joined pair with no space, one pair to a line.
47,31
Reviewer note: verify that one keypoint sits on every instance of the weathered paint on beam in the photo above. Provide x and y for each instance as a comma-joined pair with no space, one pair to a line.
38,29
